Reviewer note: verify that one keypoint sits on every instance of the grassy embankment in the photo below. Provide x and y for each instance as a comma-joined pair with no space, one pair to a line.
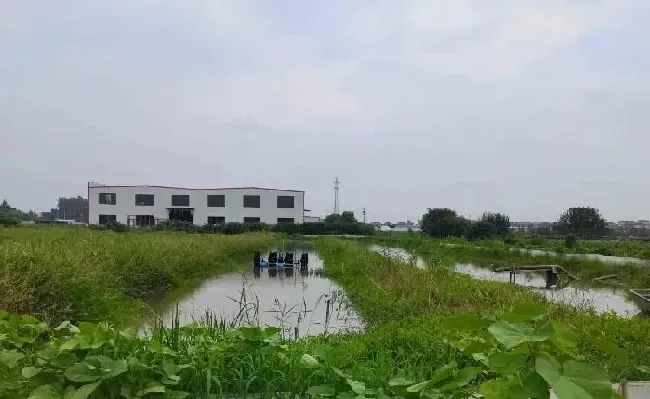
405,307
497,254
80,274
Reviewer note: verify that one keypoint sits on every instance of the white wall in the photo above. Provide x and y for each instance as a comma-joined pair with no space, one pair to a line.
234,210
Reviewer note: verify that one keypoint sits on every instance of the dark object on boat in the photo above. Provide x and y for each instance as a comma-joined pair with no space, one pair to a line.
642,299
304,261
551,277
288,259
280,257
273,258
256,259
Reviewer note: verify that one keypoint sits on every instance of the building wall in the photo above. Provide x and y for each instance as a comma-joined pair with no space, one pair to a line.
233,211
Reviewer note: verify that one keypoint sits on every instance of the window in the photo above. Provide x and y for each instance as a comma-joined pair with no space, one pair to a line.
216,201
251,201
285,220
285,201
144,199
107,198
180,200
216,219
144,220
251,219
106,219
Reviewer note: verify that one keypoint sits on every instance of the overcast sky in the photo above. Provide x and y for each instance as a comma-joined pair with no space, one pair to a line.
516,106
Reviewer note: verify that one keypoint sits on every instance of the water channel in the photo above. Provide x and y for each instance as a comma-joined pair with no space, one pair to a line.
300,303
603,299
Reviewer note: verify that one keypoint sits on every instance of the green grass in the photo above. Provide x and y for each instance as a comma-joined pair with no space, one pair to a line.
409,304
497,254
60,273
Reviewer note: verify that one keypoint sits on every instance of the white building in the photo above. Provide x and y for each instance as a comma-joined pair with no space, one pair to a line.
147,205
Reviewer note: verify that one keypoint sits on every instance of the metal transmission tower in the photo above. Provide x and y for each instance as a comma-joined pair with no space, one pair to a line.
363,211
336,196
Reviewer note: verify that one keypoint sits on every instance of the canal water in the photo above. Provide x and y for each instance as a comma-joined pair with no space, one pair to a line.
604,299
300,303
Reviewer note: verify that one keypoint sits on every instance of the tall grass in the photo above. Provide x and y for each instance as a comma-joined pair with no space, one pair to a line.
496,254
405,306
75,273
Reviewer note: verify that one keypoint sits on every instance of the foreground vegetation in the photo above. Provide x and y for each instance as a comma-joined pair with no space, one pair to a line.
414,302
66,273
430,333
497,254
523,355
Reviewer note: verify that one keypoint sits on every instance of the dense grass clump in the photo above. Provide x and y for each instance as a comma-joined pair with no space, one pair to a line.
405,306
59,273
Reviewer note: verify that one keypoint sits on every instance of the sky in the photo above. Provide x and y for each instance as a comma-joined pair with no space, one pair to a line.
516,106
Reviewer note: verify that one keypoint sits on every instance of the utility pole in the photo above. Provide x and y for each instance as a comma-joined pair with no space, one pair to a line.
364,210
336,196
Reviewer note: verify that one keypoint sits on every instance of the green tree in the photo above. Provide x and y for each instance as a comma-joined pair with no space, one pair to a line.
344,217
443,222
583,220
500,222
9,215
74,208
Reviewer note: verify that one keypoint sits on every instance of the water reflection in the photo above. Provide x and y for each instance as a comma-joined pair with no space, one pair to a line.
300,302
602,299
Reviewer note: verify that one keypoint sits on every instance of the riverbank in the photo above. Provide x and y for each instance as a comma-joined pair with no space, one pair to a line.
394,297
483,254
58,273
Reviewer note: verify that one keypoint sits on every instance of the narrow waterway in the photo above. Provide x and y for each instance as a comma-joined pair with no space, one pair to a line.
603,299
300,303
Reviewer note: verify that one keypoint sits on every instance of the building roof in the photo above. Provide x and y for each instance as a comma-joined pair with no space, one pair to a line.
96,185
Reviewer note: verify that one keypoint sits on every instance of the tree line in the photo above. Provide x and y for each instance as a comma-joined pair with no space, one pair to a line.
69,208
445,222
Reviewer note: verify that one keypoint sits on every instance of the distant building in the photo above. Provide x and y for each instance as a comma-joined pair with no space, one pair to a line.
147,205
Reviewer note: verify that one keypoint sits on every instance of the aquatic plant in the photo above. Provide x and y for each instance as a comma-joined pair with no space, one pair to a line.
524,354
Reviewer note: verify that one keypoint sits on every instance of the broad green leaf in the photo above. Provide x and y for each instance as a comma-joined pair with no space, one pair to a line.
68,326
3,314
170,368
322,390
399,382
119,367
563,338
534,386
418,387
357,387
442,373
526,312
309,362
83,391
473,345
506,363
45,392
512,335
10,358
502,389
81,372
346,395
574,380
462,378
29,372
152,387
465,322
